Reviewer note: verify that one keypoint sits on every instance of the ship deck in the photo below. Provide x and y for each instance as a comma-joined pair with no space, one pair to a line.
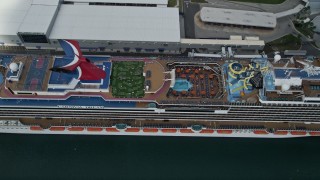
194,83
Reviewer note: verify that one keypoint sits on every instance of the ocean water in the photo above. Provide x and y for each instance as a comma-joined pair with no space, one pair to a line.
134,157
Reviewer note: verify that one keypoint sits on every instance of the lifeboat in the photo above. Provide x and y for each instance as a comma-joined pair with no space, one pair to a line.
57,128
111,129
201,76
76,129
298,133
280,133
169,130
207,131
95,129
262,132
36,128
132,130
314,133
224,131
186,131
150,130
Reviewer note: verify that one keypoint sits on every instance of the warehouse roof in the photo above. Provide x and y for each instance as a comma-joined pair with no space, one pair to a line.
238,17
224,42
124,1
38,18
84,22
26,15
12,13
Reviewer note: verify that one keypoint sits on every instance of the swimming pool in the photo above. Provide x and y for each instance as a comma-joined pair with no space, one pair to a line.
182,85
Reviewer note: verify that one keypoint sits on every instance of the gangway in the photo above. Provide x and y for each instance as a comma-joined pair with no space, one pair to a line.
251,56
193,54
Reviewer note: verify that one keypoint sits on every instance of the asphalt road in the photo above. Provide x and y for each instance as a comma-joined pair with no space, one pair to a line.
190,9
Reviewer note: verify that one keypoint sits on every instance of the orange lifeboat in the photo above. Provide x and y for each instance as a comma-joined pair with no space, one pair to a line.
224,131
298,133
280,133
36,128
207,131
96,129
111,129
201,76
76,129
132,130
57,128
211,76
186,131
203,93
187,71
150,130
314,133
178,70
169,130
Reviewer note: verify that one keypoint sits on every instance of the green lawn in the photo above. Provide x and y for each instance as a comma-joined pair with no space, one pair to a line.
127,80
288,42
172,3
262,1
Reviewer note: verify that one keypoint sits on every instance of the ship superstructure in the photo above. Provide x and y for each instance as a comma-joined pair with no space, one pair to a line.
231,97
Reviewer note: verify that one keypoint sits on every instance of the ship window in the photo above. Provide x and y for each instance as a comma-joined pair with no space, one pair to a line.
30,38
315,87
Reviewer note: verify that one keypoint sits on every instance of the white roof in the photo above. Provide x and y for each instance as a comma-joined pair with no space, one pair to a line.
38,19
223,42
45,2
12,13
238,17
117,23
124,1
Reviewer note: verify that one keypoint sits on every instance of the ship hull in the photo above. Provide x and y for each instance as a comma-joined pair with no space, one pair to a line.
141,132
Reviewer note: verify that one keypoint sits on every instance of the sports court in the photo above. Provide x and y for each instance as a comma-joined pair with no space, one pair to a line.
36,73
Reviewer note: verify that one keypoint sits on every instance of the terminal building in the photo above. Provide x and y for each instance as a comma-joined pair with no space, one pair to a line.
142,3
231,17
102,25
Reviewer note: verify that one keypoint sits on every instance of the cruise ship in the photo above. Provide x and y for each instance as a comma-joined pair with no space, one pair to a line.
222,96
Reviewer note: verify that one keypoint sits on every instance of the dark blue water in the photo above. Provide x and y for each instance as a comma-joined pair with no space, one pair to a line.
128,157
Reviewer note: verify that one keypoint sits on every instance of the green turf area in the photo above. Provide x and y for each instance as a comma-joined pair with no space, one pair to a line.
172,3
127,80
262,1
288,42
